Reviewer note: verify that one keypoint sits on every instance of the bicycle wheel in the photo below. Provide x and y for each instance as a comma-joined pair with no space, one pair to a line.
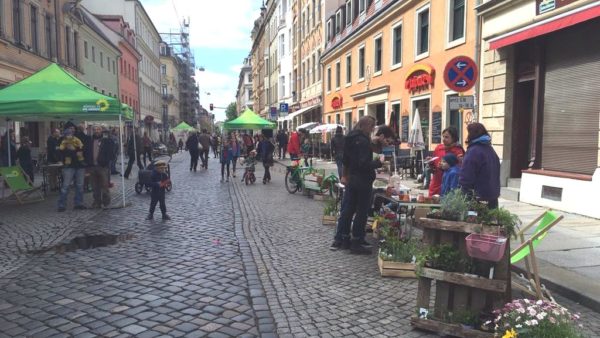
291,183
139,187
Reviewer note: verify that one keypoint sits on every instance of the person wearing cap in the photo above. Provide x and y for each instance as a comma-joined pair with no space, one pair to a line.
449,165
159,182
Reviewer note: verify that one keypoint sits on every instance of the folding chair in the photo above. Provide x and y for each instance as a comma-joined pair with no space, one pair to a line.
526,251
20,185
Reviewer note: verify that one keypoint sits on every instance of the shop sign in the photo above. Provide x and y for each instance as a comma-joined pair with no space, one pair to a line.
337,102
544,6
420,77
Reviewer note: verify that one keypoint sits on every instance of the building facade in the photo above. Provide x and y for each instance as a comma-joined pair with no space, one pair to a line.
258,60
272,61
244,91
285,55
128,63
386,58
539,96
147,44
169,89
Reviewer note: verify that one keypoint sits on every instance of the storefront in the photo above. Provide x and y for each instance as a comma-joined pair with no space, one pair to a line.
552,106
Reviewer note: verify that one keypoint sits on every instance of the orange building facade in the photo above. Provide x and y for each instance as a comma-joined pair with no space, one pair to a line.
387,58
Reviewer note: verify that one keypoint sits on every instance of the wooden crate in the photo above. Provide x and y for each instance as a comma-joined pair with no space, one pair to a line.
330,220
396,269
459,291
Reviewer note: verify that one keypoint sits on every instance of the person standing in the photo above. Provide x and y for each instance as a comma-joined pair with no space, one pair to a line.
480,171
192,147
147,150
102,152
24,157
160,180
73,171
114,136
235,152
180,145
226,157
215,145
134,152
204,140
11,139
358,176
293,147
282,142
266,148
449,145
337,149
80,133
451,172
53,156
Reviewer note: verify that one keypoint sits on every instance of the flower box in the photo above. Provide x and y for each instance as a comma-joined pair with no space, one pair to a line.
329,220
455,330
396,269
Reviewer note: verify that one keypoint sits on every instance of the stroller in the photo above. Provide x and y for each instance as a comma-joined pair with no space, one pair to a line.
144,178
249,169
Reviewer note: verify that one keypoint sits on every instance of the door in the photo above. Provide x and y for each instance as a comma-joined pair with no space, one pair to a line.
380,113
454,118
521,128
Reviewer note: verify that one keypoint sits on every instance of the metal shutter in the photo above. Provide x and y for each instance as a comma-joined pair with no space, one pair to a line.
572,100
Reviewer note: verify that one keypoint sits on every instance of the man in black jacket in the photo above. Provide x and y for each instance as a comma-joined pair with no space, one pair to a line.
192,146
134,152
282,142
358,176
102,153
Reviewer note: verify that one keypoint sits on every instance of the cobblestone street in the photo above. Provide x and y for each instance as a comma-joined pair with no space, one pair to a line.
234,261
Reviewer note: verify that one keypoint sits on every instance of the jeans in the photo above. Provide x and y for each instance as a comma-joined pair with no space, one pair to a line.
340,167
204,157
99,177
223,165
355,205
234,164
158,196
72,175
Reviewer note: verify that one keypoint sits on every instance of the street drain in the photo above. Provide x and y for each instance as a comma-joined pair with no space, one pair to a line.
86,242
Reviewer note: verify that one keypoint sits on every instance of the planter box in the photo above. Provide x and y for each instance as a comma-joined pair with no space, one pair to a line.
396,269
465,280
329,220
454,330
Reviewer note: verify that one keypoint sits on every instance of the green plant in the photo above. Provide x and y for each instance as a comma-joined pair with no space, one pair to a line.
502,217
331,207
464,316
441,257
394,246
454,205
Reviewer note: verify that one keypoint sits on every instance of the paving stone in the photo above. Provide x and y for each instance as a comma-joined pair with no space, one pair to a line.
134,329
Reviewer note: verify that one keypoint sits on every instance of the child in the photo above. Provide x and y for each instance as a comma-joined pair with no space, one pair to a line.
250,163
72,144
451,171
160,180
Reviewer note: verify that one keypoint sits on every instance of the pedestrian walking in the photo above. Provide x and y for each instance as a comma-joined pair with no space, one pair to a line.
73,170
134,152
24,157
180,145
358,176
226,157
248,142
159,182
266,148
480,171
337,148
102,153
235,152
282,142
215,145
192,147
147,150
204,140
293,147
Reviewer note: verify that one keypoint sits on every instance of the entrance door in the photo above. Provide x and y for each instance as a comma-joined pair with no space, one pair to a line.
521,128
380,113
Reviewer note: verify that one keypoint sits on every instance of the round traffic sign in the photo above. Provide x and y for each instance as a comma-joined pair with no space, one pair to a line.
461,73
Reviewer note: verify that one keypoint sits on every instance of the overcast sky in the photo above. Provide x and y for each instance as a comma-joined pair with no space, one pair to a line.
220,38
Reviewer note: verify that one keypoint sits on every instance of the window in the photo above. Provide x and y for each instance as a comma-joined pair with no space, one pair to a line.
108,63
34,29
318,66
303,80
76,49
423,32
319,9
328,79
163,69
348,120
48,29
17,21
282,45
361,112
68,44
328,119
397,44
329,29
93,54
348,12
281,87
337,118
456,29
101,60
314,18
85,49
313,69
308,73
362,6
337,75
114,68
361,62
377,56
348,69
338,22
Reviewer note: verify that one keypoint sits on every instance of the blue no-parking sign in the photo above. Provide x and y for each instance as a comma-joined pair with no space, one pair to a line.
461,73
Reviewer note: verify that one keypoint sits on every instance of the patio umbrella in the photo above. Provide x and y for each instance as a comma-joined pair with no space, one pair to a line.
329,127
308,125
415,138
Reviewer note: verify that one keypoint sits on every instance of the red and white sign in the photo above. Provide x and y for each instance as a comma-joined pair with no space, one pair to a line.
420,77
337,102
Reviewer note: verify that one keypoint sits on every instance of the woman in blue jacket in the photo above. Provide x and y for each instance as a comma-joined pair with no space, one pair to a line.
480,171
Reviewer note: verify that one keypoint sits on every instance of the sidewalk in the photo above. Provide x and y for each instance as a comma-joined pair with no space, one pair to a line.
567,257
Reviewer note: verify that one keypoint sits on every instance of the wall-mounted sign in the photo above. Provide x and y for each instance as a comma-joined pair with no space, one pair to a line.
544,6
420,77
461,102
461,73
284,109
273,113
337,102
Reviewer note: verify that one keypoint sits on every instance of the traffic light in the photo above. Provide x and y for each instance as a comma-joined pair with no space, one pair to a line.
211,107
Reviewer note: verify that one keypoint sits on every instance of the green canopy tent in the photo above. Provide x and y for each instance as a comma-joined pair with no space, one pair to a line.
54,94
183,127
249,120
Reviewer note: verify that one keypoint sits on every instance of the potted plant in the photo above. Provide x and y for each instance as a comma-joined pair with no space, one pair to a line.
526,318
504,218
442,257
453,206
330,212
466,318
397,252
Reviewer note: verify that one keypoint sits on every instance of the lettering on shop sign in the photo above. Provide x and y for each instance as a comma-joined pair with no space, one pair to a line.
420,77
544,6
337,102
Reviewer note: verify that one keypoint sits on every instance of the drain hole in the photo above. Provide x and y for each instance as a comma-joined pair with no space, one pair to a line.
85,242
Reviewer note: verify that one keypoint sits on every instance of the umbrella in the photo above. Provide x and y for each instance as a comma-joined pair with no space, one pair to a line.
183,127
308,125
329,127
415,138
249,120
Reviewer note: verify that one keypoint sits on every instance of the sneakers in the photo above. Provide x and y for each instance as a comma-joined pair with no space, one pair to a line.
166,217
149,217
356,248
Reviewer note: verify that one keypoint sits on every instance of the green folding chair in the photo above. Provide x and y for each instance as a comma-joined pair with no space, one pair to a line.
20,185
526,251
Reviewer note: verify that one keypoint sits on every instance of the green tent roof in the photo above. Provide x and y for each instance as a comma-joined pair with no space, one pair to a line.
249,120
54,94
183,127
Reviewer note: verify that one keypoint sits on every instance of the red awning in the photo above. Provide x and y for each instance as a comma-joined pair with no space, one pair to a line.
546,26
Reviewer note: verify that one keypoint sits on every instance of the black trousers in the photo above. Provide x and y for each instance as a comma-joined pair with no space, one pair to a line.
130,164
194,159
147,155
158,196
267,175
282,151
223,165
204,157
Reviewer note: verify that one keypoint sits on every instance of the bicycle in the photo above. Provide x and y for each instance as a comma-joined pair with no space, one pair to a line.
295,179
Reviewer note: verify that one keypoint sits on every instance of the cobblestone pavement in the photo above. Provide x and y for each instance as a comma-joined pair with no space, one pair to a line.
235,260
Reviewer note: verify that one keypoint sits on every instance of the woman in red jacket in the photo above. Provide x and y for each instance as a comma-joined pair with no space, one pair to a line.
449,145
293,147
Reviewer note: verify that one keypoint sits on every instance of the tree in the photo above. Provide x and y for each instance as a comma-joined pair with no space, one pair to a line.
231,111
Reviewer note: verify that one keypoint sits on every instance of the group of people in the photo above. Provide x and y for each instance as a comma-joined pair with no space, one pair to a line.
476,172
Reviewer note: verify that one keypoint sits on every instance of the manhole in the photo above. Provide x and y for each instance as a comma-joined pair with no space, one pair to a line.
86,242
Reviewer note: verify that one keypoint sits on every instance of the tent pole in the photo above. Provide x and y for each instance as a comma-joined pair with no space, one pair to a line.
122,158
8,142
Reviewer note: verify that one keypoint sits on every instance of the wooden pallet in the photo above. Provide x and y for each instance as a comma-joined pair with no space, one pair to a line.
396,269
459,291
330,220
